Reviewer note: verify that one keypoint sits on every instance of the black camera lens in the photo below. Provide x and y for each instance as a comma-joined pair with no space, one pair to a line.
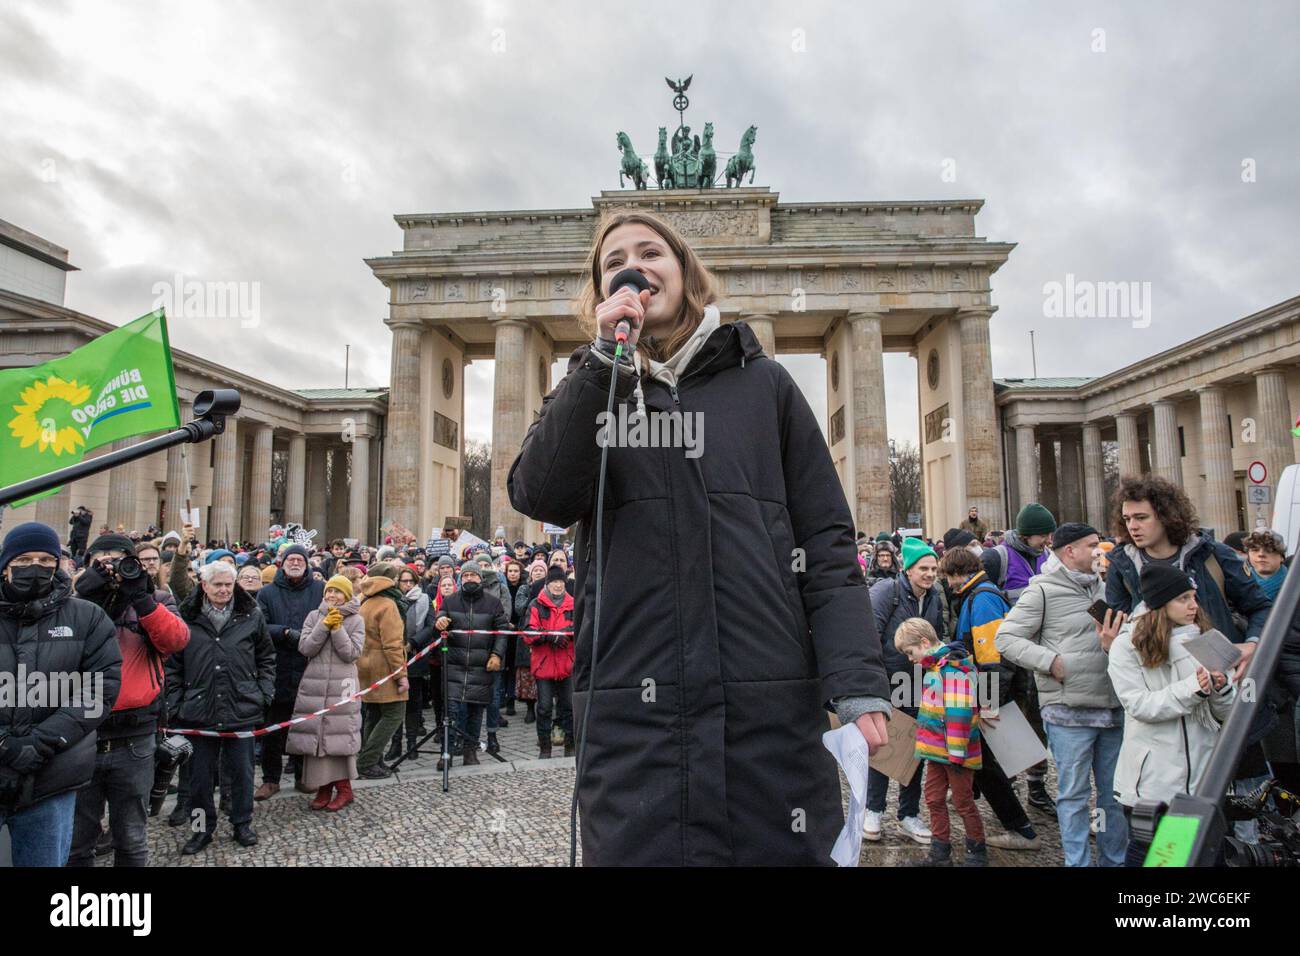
128,568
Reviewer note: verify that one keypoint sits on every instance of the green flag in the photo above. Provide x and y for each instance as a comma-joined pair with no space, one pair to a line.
119,385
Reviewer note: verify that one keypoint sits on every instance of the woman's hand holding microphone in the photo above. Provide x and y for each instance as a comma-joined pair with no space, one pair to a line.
624,305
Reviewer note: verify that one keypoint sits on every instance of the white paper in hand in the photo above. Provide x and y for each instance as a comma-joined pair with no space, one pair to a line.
849,748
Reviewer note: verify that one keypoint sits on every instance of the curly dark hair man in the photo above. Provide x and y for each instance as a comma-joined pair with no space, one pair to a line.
1168,505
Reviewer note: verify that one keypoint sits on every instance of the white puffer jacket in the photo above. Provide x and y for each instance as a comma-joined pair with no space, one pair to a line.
1169,729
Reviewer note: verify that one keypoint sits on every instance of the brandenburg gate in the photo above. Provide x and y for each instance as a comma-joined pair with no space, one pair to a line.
845,280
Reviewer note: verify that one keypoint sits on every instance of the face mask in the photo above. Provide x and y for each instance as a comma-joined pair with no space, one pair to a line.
471,587
30,583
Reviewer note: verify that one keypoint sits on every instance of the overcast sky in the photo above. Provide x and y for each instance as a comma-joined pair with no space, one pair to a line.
272,144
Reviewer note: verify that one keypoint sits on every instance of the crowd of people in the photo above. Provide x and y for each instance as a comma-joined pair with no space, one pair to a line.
233,638
1085,632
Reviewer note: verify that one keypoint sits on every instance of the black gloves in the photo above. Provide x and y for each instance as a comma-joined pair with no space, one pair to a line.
24,754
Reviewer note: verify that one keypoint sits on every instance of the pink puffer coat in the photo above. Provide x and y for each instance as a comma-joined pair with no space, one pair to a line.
330,676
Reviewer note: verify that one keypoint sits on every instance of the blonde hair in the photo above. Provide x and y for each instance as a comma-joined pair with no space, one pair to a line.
915,632
699,288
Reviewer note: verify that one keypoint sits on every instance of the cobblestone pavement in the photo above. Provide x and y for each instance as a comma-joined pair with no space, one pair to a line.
511,813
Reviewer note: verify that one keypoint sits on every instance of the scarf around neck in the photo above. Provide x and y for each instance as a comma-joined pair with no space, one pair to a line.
670,371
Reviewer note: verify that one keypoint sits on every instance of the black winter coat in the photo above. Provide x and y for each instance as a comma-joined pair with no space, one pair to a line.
222,681
468,679
705,737
59,634
893,602
285,606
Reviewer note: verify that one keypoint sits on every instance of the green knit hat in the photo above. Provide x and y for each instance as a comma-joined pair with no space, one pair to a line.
914,549
883,536
1034,519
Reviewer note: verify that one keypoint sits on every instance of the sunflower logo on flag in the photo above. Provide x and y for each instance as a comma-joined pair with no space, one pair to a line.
43,406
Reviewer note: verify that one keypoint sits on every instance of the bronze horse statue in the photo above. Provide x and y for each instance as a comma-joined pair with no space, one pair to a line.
743,161
708,159
661,158
632,166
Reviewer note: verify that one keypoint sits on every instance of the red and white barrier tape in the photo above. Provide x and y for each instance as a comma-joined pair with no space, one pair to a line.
272,728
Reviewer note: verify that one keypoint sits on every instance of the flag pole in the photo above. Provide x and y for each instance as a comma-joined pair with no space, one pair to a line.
211,407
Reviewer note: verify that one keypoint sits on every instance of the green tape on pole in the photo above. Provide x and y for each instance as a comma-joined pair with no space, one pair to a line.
1173,842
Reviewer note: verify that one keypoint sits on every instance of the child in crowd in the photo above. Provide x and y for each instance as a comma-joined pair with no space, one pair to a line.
947,735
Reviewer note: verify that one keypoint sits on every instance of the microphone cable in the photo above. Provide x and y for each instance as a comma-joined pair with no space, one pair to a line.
595,630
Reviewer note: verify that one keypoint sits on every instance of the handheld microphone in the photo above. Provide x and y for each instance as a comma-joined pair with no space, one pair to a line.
635,279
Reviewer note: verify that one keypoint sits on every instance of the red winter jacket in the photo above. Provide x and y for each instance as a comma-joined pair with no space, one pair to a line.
142,671
551,662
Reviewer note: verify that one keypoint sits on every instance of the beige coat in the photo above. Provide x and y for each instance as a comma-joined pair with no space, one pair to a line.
331,675
385,647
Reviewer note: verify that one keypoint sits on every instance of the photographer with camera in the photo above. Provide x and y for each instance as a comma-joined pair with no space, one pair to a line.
80,520
47,752
148,631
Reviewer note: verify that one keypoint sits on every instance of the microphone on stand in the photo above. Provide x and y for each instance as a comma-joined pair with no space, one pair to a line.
625,278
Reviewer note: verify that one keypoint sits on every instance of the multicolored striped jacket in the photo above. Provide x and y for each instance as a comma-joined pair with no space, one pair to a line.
947,725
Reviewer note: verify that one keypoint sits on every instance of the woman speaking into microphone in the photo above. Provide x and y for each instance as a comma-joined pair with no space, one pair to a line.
733,612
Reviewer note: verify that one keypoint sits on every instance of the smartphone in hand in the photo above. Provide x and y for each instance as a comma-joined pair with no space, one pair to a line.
1098,611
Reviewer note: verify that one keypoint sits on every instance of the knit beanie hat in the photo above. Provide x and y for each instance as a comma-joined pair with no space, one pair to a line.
447,561
383,569
556,573
340,583
217,555
1034,519
1071,532
292,549
914,549
883,536
1161,583
111,542
473,566
268,573
956,538
29,536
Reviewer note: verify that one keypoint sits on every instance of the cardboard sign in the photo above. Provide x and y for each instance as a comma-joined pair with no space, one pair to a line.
1013,741
897,760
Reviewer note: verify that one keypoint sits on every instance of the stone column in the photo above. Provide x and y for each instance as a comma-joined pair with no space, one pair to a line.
1168,463
225,485
55,511
337,519
402,449
359,491
1130,456
1272,417
180,468
871,509
1071,495
764,326
122,491
509,422
1094,477
1026,469
294,499
317,515
1047,494
980,420
1219,503
259,494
